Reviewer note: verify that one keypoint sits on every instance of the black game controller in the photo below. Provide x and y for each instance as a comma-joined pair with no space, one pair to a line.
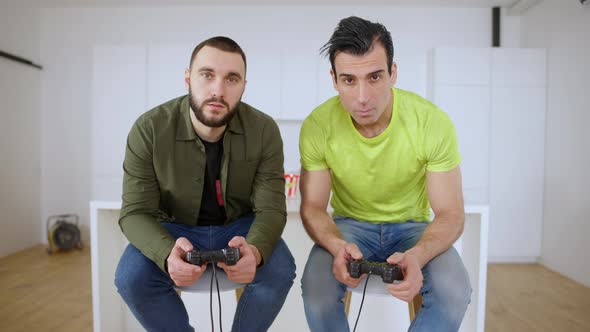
388,272
229,256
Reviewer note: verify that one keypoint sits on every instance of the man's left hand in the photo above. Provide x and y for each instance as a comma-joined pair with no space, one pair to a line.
407,289
245,269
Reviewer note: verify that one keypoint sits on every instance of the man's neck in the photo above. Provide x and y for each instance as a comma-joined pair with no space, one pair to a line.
379,126
376,128
209,134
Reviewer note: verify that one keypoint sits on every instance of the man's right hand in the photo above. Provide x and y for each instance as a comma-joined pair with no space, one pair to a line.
181,272
346,253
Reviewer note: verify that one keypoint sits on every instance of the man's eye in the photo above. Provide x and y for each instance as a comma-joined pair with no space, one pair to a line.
376,77
206,75
232,79
348,80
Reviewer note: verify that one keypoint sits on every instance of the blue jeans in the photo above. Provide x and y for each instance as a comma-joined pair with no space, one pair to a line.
149,292
445,293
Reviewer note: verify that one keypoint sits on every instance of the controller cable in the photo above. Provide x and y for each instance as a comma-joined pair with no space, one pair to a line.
214,275
362,301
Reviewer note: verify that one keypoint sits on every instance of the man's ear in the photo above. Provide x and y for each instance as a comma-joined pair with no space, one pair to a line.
393,73
333,79
187,78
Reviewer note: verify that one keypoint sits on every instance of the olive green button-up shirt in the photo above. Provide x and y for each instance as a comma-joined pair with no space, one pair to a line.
164,172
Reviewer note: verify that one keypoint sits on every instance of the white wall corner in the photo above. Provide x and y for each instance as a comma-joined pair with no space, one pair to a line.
510,30
521,6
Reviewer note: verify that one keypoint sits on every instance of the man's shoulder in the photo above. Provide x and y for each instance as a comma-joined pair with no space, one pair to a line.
412,101
413,107
163,114
327,115
253,122
327,109
252,115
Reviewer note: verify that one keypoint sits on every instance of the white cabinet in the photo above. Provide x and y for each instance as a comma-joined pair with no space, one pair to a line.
298,86
496,98
461,66
263,89
118,98
325,83
519,68
164,71
461,87
517,153
469,108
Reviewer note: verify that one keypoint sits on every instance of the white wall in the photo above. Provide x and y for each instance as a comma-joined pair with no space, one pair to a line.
493,95
68,36
509,29
563,27
19,130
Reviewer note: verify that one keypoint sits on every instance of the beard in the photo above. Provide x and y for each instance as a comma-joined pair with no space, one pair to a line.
200,113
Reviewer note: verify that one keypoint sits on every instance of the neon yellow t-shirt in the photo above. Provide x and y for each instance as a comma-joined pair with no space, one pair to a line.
380,179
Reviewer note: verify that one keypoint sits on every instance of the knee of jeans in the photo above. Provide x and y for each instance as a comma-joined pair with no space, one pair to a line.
289,269
306,285
460,297
449,280
130,280
281,274
314,291
317,280
453,298
321,302
457,304
285,276
292,275
310,284
285,267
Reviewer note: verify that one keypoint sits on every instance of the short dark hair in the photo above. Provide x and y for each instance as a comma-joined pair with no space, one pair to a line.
222,43
357,36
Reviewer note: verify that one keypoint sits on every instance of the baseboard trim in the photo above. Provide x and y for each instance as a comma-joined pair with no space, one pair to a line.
514,259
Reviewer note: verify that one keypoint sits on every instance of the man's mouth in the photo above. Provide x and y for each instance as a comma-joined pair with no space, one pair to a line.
216,105
365,112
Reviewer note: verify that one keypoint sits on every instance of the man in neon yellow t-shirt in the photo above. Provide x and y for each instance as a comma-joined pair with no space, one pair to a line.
388,156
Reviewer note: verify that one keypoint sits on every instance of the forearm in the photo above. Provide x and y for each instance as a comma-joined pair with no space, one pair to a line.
265,232
321,228
438,237
149,236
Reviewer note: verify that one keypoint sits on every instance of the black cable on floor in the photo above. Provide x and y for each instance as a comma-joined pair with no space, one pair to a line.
362,301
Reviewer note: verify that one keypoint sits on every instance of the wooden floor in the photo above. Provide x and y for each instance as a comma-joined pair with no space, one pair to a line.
530,297
39,292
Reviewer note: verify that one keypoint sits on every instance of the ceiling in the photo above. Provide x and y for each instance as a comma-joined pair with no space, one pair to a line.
515,7
413,3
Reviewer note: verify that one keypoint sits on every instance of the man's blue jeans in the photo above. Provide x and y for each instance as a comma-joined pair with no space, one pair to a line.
149,292
446,291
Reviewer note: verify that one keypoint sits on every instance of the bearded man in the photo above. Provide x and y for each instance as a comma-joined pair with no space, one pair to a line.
204,171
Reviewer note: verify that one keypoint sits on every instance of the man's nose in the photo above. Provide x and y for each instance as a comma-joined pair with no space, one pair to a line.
218,88
363,93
